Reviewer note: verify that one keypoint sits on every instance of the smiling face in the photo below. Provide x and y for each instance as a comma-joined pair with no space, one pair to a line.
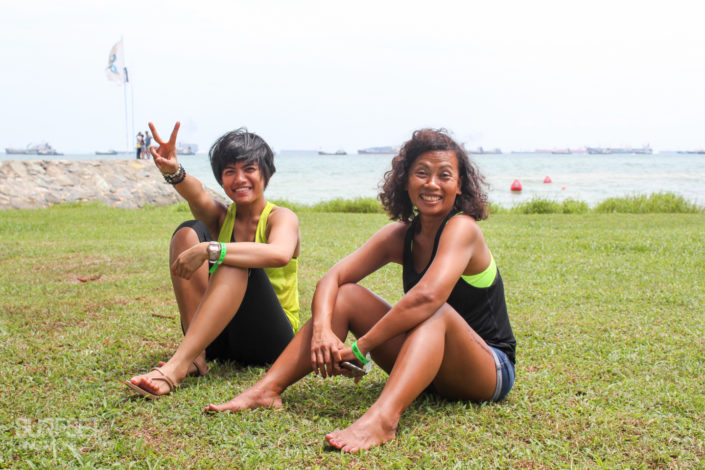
434,182
243,182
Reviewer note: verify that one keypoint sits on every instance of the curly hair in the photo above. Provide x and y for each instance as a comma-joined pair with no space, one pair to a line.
395,199
241,145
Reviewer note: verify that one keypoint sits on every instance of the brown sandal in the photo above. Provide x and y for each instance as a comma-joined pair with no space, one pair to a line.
149,395
200,371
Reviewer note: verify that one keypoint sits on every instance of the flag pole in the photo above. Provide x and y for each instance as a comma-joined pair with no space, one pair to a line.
125,83
132,106
124,95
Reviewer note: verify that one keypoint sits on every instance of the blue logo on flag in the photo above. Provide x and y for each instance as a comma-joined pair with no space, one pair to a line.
112,67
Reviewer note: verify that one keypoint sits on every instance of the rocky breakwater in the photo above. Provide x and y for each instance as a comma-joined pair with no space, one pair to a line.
117,183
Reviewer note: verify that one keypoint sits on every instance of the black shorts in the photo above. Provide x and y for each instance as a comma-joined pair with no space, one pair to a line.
260,330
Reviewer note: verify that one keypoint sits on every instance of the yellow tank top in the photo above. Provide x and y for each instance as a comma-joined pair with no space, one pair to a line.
285,279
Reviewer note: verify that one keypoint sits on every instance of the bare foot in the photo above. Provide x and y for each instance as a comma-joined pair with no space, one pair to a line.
367,432
155,382
251,398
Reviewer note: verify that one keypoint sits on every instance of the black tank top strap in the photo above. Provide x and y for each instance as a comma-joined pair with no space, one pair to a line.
408,240
438,237
411,277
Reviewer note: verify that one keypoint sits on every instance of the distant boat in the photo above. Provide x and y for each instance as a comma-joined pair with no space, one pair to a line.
33,149
106,152
337,152
645,150
482,151
186,149
379,150
598,150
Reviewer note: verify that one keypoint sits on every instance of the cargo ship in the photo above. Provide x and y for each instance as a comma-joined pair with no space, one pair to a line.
387,150
483,151
33,149
645,150
186,149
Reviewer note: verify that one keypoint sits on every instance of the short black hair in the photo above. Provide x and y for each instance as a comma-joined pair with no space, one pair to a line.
240,145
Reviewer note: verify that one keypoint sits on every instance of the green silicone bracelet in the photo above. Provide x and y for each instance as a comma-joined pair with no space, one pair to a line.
358,354
220,260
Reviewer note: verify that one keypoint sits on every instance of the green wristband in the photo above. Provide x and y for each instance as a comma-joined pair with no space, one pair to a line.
358,354
220,260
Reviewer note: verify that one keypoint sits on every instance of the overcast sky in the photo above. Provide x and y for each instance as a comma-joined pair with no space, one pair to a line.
329,74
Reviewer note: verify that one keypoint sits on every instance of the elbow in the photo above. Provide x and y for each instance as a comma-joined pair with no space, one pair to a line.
329,278
427,298
323,280
279,260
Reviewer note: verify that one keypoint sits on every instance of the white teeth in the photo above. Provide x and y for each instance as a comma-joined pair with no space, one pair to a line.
430,198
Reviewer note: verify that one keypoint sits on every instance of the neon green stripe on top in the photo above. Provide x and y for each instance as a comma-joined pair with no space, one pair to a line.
226,230
485,278
285,279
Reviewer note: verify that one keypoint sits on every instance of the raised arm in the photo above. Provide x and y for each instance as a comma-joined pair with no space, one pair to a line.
203,207
460,241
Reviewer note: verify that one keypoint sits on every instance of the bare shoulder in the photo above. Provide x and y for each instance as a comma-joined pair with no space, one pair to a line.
463,220
389,240
283,215
394,232
463,226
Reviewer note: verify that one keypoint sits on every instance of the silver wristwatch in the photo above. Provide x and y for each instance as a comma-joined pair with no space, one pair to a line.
213,251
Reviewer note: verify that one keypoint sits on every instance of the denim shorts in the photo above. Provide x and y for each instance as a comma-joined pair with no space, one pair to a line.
505,374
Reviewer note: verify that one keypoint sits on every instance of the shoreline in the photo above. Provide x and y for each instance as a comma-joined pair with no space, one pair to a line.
130,184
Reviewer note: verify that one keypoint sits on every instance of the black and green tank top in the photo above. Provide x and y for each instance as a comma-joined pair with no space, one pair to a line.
483,308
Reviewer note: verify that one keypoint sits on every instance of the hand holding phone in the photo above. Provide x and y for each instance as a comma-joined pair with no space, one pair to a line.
355,370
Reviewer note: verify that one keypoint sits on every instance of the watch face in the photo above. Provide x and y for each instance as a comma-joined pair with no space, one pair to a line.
213,251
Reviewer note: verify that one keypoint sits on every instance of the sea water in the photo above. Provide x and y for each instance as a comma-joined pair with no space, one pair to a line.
305,177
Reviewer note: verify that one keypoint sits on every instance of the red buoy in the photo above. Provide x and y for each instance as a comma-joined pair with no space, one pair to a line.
547,180
516,186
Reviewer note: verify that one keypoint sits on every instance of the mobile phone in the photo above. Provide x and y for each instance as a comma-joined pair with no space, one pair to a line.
356,370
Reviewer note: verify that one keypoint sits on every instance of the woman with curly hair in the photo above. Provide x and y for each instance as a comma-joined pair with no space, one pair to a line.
449,334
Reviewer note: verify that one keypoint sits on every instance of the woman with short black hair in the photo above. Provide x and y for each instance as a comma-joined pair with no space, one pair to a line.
233,268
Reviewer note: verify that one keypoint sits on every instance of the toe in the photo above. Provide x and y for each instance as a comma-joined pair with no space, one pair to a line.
153,387
332,441
146,384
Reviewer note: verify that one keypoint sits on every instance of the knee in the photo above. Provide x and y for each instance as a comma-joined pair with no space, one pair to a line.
231,275
446,315
184,237
345,300
443,316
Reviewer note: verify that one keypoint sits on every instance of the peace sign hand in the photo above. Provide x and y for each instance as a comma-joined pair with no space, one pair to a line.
165,155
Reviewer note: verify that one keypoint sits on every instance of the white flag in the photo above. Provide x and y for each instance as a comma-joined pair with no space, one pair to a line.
116,65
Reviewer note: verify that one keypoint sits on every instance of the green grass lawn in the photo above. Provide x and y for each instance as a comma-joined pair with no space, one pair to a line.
607,309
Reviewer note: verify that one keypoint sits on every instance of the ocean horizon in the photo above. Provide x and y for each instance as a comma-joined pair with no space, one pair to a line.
307,178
